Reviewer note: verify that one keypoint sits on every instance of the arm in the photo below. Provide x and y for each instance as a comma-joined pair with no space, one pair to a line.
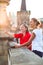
19,35
29,41
10,34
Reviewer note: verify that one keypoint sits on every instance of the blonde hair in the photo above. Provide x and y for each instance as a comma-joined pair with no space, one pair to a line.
25,25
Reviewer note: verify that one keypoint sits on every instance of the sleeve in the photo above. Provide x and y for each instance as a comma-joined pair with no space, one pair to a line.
18,35
34,31
29,34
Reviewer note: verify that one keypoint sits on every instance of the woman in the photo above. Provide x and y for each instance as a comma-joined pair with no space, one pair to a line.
24,35
36,38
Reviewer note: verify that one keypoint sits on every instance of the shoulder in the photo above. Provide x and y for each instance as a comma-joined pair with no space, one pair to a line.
35,30
28,34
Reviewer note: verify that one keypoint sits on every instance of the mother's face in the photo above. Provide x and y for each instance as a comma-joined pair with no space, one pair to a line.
32,23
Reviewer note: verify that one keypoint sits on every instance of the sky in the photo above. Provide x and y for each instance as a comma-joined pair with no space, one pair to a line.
35,6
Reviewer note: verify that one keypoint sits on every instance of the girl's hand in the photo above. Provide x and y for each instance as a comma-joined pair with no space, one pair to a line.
9,33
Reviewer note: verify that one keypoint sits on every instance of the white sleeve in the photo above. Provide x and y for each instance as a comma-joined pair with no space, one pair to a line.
34,31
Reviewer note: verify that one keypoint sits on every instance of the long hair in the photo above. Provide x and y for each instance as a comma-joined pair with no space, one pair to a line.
36,21
26,26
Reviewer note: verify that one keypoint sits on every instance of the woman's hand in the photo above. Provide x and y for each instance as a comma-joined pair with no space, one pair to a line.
17,45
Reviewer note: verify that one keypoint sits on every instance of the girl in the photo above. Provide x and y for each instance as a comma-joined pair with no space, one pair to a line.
24,35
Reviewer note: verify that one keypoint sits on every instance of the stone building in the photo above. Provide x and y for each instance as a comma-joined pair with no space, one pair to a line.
23,15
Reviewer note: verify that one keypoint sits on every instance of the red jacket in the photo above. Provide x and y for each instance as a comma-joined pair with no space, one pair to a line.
23,39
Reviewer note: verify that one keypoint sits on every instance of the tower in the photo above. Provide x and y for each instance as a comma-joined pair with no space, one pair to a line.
23,5
23,15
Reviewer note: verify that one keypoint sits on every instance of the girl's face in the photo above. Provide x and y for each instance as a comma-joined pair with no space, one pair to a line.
32,24
23,28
